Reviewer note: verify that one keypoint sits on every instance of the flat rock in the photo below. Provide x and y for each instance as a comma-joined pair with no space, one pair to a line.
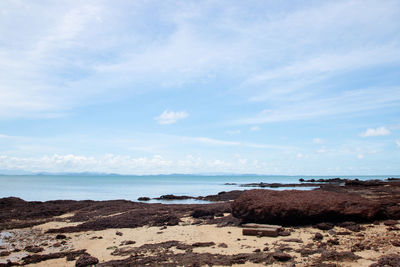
293,207
280,256
86,260
260,232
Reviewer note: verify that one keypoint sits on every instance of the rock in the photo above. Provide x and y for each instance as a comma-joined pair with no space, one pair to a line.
271,232
118,233
222,245
324,226
201,213
318,236
167,219
143,199
284,233
307,252
390,222
33,249
352,226
391,260
257,250
127,242
86,260
343,233
258,225
293,207
280,256
333,255
396,243
332,232
173,197
333,241
203,244
4,253
294,240
61,236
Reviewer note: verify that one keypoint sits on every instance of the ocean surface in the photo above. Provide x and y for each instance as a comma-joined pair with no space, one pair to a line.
107,187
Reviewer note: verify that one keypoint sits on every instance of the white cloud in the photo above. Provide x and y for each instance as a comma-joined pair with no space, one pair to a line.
360,156
255,128
317,141
49,65
169,117
398,143
212,141
233,132
380,131
330,63
351,102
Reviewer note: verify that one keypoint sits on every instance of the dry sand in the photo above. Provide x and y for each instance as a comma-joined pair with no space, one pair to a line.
187,233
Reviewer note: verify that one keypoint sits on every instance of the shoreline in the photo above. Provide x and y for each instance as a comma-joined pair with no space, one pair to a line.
122,233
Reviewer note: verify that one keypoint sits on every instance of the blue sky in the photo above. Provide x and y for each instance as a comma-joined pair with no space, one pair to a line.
147,87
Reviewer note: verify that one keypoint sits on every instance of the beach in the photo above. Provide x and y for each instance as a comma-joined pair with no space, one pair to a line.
126,233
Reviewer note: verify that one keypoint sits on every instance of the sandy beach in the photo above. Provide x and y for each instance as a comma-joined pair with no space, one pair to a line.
183,237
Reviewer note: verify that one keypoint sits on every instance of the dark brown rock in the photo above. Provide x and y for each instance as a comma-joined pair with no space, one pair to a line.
280,256
86,260
390,222
128,242
324,226
222,245
119,233
61,236
294,240
318,236
203,244
333,255
33,249
292,207
173,197
396,243
4,253
333,242
260,232
391,260
144,199
284,233
35,258
198,213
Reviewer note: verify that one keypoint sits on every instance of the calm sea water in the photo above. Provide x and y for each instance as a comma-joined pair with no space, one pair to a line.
52,187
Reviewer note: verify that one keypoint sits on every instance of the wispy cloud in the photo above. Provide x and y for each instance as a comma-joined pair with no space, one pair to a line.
398,143
318,141
217,142
350,102
380,131
255,128
233,132
169,117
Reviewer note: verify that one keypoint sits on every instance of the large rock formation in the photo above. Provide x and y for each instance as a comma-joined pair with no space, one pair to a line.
292,207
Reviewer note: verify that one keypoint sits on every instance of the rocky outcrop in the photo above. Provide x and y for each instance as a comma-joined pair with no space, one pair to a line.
86,260
292,207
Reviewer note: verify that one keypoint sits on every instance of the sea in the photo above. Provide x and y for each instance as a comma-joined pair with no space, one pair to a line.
131,187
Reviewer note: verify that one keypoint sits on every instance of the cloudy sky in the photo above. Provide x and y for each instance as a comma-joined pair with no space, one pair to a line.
135,87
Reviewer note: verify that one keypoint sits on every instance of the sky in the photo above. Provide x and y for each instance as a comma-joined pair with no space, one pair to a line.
158,87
